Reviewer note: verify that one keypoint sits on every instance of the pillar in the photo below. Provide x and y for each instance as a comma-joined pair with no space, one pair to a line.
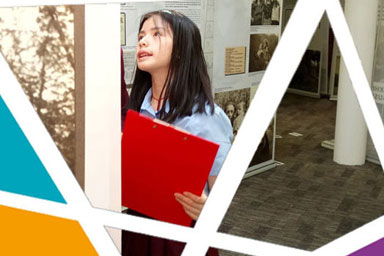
351,130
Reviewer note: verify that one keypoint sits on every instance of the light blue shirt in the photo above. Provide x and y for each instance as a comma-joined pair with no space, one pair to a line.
216,128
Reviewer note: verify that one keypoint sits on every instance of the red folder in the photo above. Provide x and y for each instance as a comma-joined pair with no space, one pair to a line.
159,160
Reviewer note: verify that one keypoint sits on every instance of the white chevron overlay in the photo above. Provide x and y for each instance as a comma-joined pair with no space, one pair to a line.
285,60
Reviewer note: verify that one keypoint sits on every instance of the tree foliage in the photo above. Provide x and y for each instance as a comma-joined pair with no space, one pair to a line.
42,60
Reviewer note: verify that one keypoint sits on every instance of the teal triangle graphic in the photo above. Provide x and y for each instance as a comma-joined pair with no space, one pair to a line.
21,170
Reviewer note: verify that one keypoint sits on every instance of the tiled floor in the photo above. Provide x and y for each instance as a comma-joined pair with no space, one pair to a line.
310,200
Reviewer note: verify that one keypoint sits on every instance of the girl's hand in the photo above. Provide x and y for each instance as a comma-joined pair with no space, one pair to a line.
191,203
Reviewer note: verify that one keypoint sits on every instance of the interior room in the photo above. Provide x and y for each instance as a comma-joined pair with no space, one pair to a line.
306,175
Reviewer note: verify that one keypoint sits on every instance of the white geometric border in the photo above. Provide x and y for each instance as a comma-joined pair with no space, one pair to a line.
284,63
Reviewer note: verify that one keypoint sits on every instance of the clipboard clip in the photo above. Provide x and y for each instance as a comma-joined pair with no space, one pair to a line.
169,125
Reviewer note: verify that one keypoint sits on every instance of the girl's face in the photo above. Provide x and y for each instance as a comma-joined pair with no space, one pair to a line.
154,47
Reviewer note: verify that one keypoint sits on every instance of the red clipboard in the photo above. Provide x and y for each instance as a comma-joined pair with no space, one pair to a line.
159,160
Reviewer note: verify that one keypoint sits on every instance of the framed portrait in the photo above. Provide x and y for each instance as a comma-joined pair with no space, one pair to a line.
123,41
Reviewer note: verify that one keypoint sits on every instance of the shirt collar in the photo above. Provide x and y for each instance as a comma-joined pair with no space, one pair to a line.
147,107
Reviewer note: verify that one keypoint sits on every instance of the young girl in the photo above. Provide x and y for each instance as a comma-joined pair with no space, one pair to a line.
171,83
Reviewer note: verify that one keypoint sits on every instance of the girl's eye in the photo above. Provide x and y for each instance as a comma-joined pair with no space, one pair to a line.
157,33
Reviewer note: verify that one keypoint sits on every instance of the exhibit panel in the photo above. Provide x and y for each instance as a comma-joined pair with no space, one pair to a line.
238,40
244,45
319,43
199,11
335,68
377,85
235,103
306,80
235,31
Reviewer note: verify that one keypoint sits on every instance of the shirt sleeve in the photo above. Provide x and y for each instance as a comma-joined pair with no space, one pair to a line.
216,128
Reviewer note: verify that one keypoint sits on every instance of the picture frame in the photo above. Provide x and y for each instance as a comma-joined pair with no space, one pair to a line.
123,21
306,80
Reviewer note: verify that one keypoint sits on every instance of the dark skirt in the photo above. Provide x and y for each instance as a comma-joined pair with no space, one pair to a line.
134,244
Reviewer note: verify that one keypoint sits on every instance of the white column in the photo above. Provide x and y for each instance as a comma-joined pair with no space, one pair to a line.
102,176
351,131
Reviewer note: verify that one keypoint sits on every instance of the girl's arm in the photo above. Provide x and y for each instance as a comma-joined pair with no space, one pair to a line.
211,181
216,128
193,204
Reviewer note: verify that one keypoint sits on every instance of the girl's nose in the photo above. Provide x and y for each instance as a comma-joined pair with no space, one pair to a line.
143,42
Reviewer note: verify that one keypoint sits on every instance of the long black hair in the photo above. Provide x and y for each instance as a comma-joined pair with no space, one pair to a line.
187,85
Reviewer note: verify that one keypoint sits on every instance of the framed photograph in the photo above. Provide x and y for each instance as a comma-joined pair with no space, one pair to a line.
51,88
287,15
306,80
264,152
265,12
123,38
261,49
235,103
